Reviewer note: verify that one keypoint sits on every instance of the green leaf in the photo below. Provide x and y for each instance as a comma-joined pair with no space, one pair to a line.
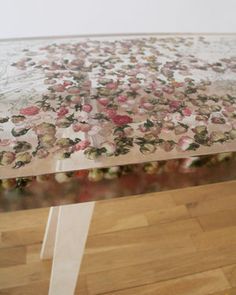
68,97
19,132
148,124
22,146
183,125
4,120
193,147
70,118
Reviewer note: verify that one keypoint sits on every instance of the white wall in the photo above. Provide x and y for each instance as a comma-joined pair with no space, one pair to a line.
23,18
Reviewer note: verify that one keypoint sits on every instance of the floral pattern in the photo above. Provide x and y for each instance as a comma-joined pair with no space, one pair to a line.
69,104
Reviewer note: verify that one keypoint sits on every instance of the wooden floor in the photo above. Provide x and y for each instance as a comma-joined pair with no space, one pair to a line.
180,242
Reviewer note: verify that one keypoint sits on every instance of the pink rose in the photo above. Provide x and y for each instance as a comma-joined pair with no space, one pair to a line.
128,131
77,127
62,112
87,84
177,84
84,127
7,158
187,112
94,130
132,72
111,86
110,113
135,86
4,142
175,104
103,101
87,108
148,106
122,119
153,85
67,83
73,90
167,145
142,128
82,145
185,142
58,88
76,99
230,109
42,153
168,89
29,111
122,98
44,62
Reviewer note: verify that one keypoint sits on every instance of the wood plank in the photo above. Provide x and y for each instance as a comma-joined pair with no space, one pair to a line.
23,219
99,224
198,284
218,220
214,239
166,215
230,273
81,287
203,193
151,234
33,253
21,275
36,288
160,270
12,256
212,206
20,237
109,258
231,291
128,212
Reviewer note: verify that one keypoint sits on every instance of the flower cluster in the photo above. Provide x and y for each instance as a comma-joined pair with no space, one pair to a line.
115,96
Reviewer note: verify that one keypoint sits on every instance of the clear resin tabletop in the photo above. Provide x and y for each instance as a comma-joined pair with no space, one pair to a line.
85,102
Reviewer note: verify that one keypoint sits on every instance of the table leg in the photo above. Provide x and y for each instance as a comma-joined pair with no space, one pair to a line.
50,234
71,235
